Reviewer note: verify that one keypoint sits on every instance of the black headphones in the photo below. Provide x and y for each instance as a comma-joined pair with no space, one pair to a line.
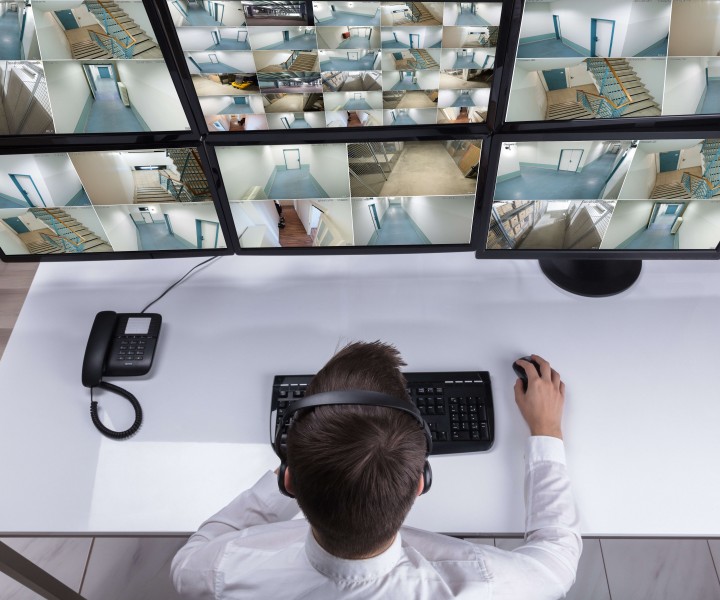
356,397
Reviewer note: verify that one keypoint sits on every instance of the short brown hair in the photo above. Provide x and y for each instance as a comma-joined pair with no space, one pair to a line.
355,469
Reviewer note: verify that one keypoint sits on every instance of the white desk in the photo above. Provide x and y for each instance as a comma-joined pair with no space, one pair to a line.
642,408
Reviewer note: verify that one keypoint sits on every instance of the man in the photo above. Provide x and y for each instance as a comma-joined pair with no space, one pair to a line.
355,471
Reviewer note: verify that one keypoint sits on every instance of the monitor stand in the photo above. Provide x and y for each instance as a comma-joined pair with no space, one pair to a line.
592,278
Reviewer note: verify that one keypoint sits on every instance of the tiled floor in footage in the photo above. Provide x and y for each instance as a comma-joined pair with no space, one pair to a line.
138,568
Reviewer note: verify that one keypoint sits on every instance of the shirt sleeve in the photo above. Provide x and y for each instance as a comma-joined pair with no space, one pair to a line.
194,567
552,528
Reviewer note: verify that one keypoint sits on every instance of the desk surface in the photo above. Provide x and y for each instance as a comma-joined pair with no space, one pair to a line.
642,406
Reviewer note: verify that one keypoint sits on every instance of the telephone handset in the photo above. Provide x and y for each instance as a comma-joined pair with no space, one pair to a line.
120,345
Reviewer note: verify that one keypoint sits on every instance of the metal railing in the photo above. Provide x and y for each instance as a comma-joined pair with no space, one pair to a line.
112,45
699,187
613,97
118,40
57,224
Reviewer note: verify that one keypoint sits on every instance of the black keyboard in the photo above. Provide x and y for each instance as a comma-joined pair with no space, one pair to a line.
457,406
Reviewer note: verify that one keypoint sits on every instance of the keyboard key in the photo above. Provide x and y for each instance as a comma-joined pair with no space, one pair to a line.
283,394
484,431
482,413
474,435
430,410
442,436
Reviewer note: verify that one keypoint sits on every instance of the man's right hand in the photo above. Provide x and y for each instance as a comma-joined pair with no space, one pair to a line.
542,405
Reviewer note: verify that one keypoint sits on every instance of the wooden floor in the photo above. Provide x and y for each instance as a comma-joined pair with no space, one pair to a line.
293,235
15,280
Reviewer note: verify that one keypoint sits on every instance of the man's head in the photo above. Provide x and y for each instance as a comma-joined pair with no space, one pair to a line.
355,470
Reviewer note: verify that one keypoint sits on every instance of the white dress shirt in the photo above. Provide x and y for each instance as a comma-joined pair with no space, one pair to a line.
251,549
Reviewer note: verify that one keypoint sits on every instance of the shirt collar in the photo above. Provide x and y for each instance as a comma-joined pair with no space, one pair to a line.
356,570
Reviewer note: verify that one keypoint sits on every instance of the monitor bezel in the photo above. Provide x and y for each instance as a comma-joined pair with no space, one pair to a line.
387,135
126,254
609,134
584,125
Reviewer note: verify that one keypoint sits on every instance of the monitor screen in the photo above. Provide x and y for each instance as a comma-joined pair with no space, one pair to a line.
411,193
74,66
130,201
583,60
647,195
307,65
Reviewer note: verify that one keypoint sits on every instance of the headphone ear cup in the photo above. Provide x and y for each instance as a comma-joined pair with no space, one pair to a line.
427,477
281,480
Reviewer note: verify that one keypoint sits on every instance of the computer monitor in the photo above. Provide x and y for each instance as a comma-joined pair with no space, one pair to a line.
390,195
561,198
255,65
580,63
81,68
136,202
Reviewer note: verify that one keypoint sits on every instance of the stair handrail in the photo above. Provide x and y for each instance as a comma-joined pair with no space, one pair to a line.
174,182
50,238
102,5
690,182
126,51
714,159
610,100
617,78
59,220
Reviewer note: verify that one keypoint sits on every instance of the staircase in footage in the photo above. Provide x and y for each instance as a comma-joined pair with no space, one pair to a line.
189,184
67,234
708,185
621,93
120,36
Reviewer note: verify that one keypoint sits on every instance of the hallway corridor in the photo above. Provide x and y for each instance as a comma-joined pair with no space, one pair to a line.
293,235
156,236
397,229
538,183
295,183
10,36
655,237
199,16
108,113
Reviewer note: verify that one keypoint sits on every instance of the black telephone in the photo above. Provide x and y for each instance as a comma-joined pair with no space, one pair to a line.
120,345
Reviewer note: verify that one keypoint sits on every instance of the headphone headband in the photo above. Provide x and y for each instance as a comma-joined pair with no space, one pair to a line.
359,398
348,397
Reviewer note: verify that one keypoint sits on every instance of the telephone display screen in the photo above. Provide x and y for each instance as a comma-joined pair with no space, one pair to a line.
137,326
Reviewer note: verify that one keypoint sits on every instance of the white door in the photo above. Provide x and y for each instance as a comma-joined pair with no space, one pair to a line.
210,233
292,159
603,35
569,160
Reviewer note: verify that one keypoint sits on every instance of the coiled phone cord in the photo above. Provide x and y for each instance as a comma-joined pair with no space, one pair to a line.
115,435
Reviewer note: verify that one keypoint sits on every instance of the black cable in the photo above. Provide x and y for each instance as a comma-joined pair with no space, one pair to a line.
133,429
179,281
115,435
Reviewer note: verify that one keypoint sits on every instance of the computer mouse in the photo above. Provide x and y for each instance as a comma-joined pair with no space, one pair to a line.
520,372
